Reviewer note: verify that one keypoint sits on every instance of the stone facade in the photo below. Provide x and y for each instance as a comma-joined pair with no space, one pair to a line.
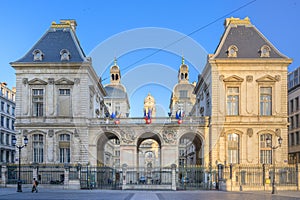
243,89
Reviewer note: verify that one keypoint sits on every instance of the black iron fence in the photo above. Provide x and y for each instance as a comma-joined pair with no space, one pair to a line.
238,177
100,177
149,176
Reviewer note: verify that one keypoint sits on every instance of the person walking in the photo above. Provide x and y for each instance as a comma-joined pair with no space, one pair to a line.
34,185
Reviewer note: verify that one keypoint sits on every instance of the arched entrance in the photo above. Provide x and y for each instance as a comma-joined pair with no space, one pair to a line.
106,175
149,158
108,150
191,173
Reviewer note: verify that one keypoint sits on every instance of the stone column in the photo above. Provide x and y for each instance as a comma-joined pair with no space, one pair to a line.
173,187
3,176
124,170
66,176
298,175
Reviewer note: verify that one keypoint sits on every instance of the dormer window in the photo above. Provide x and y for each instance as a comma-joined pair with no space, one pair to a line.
64,55
232,51
37,55
265,51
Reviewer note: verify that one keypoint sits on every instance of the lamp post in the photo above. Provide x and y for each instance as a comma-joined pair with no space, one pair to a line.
14,141
269,143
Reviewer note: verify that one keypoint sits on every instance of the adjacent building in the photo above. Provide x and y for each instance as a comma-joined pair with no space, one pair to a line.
294,114
7,124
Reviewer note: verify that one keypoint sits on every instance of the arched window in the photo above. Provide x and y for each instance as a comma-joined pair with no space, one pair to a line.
265,150
182,76
265,51
64,55
233,148
232,51
117,77
37,55
38,148
64,148
113,77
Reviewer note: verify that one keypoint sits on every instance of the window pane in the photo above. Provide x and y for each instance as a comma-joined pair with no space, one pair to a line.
265,101
233,101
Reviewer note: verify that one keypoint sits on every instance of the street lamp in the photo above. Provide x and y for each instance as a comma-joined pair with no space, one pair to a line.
269,143
14,141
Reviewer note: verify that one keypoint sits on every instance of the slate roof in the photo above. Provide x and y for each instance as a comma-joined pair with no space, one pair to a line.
51,44
248,40
115,91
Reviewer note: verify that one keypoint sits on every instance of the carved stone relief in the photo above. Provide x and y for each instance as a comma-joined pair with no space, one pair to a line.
169,136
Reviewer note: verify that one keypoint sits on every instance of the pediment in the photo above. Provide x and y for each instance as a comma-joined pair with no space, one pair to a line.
64,81
267,78
233,78
37,81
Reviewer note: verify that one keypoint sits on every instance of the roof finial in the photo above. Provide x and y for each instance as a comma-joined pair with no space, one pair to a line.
182,60
115,61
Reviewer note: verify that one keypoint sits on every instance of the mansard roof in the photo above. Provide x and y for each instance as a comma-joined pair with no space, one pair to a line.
58,39
246,40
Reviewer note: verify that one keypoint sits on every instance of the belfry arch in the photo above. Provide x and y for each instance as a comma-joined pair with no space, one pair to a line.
108,146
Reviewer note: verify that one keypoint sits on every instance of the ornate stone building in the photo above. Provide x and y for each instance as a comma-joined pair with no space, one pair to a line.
238,102
243,90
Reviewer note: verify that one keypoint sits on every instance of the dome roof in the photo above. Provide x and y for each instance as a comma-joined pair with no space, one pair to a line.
115,91
149,98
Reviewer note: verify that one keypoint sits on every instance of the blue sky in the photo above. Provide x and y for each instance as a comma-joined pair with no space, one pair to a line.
24,22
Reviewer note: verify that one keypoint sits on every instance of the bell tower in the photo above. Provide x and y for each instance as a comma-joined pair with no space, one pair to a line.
115,75
183,73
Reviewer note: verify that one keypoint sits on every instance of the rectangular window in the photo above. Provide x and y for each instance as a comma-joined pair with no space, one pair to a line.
8,109
297,138
292,122
7,156
233,101
38,148
13,124
64,102
64,148
64,155
292,139
13,111
265,101
233,148
117,153
297,103
297,121
2,121
291,106
38,102
7,123
7,139
183,93
2,138
2,106
265,150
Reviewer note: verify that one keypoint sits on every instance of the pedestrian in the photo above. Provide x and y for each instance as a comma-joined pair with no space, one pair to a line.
34,185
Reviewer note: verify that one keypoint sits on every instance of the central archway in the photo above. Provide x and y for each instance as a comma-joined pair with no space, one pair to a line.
149,158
